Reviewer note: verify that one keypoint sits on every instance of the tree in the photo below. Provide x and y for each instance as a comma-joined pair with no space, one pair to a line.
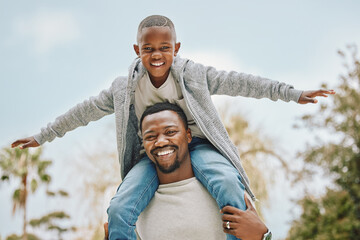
336,215
254,150
30,169
50,222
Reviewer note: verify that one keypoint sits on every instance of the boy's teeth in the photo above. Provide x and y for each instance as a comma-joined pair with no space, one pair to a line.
157,64
164,152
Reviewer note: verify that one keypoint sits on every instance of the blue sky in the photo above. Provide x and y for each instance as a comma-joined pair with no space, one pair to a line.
56,54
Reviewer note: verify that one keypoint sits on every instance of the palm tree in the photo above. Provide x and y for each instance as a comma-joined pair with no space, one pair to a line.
30,169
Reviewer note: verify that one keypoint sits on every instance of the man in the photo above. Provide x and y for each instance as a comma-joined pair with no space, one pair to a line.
182,208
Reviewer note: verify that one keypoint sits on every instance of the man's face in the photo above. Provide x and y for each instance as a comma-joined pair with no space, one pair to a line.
157,49
166,140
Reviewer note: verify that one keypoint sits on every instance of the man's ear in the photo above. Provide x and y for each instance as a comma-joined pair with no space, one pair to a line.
177,47
137,50
188,134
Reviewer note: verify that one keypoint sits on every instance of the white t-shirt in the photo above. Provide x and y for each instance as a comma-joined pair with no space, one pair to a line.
181,210
147,95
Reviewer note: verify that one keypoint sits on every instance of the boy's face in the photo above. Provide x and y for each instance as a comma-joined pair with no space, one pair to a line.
157,49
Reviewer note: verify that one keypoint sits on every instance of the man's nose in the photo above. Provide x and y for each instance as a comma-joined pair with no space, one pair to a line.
161,141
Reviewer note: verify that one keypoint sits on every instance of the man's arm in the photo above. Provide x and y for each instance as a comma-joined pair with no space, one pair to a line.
246,225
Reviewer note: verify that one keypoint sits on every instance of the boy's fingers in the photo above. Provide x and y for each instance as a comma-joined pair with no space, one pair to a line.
106,229
311,100
20,141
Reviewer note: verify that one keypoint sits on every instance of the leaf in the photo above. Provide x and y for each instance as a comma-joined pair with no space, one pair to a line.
33,185
4,177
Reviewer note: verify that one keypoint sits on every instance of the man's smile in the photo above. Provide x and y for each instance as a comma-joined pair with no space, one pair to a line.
164,152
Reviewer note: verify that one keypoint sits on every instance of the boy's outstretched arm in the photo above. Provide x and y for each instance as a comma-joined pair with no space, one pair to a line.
26,142
309,96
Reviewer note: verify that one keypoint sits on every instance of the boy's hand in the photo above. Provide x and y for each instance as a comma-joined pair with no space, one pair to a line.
106,230
309,96
26,142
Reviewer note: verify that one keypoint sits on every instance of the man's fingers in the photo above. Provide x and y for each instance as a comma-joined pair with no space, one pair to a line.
249,203
229,231
229,209
229,217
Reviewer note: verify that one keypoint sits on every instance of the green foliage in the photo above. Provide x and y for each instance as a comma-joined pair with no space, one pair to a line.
16,237
28,167
51,223
336,215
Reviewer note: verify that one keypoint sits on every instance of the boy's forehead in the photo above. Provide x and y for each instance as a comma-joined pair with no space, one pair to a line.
156,31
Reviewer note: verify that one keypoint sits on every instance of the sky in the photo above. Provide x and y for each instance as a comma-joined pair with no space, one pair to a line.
55,54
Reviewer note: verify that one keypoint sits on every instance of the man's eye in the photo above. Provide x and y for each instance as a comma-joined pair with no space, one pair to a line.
171,132
149,138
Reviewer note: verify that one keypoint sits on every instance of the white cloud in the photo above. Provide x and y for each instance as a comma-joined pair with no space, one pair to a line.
47,29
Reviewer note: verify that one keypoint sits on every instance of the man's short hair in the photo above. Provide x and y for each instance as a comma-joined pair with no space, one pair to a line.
165,106
156,21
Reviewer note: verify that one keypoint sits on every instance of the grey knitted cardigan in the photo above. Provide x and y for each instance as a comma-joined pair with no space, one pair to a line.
197,84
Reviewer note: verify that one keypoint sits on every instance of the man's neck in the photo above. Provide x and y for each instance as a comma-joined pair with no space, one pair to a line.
185,172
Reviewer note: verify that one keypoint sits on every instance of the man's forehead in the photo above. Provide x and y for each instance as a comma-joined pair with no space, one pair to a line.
163,119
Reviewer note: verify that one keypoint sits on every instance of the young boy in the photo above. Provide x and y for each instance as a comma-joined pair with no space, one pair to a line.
158,75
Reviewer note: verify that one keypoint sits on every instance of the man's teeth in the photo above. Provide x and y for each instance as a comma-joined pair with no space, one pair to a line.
162,153
157,64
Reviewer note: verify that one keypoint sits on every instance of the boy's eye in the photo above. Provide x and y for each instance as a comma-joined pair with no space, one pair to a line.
165,48
147,48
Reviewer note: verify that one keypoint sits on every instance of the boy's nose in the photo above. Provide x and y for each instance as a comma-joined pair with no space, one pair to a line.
156,55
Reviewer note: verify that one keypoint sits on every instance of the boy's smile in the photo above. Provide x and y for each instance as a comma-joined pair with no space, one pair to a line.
157,49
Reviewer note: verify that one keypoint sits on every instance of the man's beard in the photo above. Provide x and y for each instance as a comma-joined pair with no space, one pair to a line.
173,166
170,168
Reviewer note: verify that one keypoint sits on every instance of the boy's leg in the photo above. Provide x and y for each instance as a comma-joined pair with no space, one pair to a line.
131,198
217,174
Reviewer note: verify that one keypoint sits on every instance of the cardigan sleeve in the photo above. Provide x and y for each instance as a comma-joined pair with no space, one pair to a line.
247,85
241,84
91,109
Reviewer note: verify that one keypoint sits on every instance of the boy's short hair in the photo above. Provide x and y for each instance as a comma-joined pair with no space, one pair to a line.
165,106
156,21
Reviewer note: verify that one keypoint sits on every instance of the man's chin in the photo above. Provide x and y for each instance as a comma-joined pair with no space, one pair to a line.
168,169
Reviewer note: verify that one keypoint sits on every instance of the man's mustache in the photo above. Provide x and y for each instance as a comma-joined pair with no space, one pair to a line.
166,146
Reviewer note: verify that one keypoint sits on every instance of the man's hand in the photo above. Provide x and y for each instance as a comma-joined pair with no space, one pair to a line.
26,142
243,224
309,96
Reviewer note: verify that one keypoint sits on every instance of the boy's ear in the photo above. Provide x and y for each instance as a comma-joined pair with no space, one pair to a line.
137,50
177,47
